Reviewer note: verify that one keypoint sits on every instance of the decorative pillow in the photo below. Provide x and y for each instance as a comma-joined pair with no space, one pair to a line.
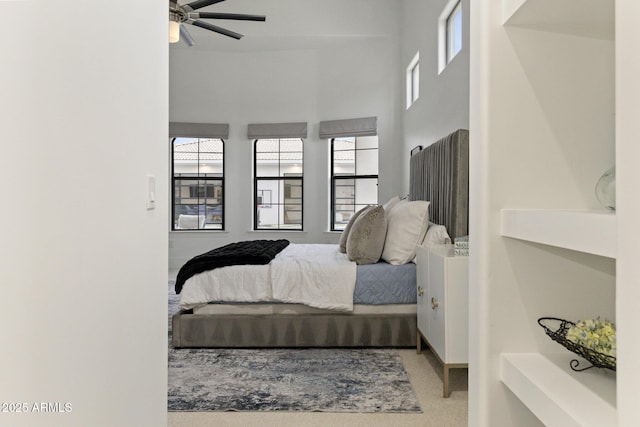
366,238
343,237
391,203
436,235
407,225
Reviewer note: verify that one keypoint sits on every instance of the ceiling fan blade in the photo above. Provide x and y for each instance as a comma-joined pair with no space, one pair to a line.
199,4
186,36
234,16
217,29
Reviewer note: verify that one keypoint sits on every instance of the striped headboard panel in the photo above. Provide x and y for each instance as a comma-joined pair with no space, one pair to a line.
440,174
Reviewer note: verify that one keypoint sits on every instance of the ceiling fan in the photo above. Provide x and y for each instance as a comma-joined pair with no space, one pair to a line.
187,14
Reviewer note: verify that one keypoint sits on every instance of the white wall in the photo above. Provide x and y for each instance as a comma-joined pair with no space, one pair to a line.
83,113
443,105
334,75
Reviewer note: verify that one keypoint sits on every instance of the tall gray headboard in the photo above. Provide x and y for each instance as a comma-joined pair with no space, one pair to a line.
440,174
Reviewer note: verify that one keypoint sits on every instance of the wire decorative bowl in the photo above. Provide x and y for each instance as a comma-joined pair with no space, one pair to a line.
559,335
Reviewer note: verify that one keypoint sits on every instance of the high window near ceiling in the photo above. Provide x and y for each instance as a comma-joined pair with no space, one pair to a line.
413,80
449,33
198,183
278,195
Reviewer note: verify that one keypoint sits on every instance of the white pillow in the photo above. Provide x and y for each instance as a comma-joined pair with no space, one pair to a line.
391,203
436,235
407,224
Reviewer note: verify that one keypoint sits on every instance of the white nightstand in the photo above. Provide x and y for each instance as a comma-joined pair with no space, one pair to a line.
443,306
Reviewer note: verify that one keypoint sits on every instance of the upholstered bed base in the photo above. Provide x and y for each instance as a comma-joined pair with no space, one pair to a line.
313,330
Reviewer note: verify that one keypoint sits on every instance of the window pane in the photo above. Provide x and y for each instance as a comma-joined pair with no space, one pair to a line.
292,216
415,82
291,168
267,203
457,31
366,191
291,145
292,213
367,162
199,203
185,145
267,157
266,168
213,216
344,167
363,142
341,144
210,157
268,146
454,32
344,157
344,199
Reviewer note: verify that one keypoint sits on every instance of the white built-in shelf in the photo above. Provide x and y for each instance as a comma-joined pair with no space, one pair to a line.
592,232
557,395
587,18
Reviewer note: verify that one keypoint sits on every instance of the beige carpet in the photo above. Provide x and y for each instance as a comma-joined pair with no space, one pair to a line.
425,375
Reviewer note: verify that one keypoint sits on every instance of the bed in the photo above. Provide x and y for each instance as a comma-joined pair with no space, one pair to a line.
246,310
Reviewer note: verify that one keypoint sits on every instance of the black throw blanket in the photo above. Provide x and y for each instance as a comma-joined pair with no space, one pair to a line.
255,252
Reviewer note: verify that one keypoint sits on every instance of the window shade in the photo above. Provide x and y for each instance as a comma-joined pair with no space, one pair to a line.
367,126
199,130
277,130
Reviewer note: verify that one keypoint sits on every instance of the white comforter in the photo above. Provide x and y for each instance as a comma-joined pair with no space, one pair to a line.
316,275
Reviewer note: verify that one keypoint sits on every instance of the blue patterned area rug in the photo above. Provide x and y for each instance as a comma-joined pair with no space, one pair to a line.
323,380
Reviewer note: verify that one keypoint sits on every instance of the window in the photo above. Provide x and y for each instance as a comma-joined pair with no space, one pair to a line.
413,80
198,184
454,32
354,177
449,33
278,184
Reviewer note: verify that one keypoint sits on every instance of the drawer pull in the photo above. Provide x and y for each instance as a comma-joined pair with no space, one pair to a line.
420,291
434,303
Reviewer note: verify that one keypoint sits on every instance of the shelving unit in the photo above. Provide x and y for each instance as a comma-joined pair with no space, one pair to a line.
557,395
553,91
588,18
592,232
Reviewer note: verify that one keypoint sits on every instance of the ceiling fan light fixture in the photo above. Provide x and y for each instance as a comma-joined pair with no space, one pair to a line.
186,14
174,28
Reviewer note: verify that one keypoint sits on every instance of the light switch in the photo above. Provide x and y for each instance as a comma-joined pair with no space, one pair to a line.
151,192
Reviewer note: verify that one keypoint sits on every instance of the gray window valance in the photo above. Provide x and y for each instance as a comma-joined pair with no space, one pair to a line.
199,130
366,126
276,130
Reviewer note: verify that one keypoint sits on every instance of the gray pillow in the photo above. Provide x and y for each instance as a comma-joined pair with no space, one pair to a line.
365,241
345,233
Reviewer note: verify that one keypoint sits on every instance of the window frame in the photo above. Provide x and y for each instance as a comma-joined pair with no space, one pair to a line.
197,183
413,80
452,35
281,178
354,177
446,33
